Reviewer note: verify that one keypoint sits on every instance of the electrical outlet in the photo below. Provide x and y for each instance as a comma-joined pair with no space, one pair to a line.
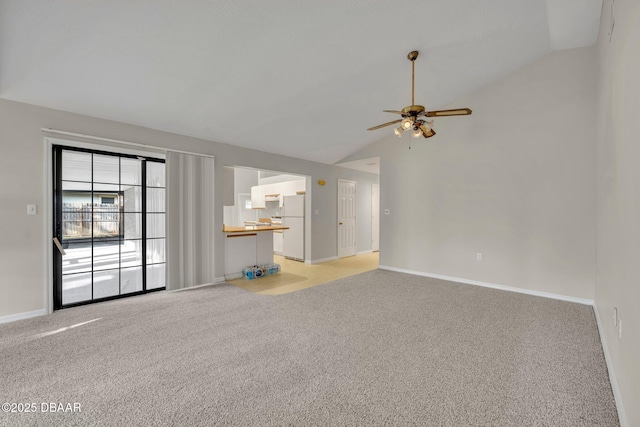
479,256
615,316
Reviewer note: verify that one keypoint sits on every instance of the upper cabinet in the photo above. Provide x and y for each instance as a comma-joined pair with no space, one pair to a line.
269,191
257,197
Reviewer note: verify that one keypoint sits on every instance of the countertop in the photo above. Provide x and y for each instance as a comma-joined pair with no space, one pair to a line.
231,229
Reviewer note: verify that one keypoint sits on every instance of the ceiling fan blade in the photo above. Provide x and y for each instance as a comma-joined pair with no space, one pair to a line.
392,111
442,113
385,124
427,133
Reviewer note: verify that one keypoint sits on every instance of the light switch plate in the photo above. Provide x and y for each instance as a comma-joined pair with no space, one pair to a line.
32,209
387,211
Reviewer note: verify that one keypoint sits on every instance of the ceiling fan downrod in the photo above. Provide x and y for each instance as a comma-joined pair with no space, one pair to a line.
412,57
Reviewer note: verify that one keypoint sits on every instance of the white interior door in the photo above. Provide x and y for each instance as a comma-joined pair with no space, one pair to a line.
346,218
375,217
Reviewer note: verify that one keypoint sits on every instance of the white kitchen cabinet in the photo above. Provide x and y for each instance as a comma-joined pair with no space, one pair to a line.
264,248
277,242
270,190
257,197
283,192
240,252
287,188
245,249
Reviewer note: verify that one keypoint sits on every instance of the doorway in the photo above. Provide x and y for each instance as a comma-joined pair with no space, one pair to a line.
108,224
375,217
346,218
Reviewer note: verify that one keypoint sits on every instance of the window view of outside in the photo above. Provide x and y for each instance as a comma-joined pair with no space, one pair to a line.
102,212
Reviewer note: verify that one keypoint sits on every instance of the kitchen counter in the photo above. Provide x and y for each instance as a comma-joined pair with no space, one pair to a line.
247,246
233,229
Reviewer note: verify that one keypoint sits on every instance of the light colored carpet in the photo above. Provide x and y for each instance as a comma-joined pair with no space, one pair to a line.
379,348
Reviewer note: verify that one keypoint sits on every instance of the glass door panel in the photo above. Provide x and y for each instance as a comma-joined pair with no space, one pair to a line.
131,279
106,169
77,227
155,225
76,166
76,288
106,283
101,217
156,276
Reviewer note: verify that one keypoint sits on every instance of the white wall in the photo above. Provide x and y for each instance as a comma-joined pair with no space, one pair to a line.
514,181
619,199
24,284
244,180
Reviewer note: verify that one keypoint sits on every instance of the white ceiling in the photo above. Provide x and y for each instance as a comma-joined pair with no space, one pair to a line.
370,165
299,78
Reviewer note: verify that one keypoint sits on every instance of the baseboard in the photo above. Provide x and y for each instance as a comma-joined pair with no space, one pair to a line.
21,316
364,252
622,415
216,281
584,301
321,260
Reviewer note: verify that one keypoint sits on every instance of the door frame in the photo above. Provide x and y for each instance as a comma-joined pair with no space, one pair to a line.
355,217
373,212
49,142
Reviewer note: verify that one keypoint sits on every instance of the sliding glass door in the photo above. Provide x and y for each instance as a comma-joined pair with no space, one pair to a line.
109,224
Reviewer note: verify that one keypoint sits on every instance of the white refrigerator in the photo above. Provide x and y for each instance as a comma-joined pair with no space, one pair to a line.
293,217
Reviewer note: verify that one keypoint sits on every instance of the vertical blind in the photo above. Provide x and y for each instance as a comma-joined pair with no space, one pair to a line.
190,226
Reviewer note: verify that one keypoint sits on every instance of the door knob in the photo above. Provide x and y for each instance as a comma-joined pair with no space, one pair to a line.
340,223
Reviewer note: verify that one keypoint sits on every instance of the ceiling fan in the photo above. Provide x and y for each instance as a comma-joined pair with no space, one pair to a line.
412,116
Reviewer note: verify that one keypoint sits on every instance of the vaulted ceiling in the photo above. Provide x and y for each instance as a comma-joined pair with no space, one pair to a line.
299,78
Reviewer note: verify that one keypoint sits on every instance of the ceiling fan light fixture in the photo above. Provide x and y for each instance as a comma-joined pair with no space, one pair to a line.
412,116
428,125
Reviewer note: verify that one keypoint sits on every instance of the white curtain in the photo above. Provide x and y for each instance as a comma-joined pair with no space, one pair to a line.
190,229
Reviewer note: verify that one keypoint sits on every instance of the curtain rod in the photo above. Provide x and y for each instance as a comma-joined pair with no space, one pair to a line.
118,141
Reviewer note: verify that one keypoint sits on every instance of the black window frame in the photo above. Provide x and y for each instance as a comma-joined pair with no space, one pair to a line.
57,204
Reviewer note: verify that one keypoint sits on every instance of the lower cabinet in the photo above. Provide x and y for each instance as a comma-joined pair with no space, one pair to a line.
240,252
245,250
277,242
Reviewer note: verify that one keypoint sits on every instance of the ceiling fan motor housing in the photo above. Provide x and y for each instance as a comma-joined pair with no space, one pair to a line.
412,110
